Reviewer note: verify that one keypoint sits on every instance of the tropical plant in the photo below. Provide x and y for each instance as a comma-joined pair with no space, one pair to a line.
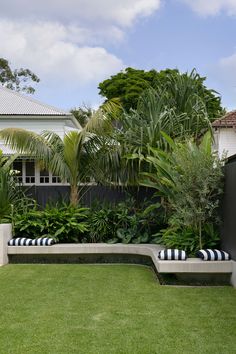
186,238
12,195
125,222
157,112
82,114
63,224
140,130
189,179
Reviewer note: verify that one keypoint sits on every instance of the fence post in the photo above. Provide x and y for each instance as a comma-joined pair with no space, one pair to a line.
5,236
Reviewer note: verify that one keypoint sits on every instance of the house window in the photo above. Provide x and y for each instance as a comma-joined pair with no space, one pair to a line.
44,176
18,168
29,172
56,179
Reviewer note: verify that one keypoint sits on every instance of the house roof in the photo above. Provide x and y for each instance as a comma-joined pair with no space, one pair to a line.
14,103
228,121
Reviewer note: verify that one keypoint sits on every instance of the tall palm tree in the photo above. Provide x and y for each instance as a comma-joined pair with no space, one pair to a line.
70,158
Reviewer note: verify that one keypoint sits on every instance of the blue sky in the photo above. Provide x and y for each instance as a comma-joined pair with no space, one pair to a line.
74,46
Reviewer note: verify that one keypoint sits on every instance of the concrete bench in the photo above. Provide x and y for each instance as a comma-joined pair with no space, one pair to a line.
191,265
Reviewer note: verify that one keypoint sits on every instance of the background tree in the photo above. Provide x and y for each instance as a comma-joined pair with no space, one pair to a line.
17,79
129,84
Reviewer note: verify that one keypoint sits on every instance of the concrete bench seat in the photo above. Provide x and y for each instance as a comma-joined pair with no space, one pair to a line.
191,265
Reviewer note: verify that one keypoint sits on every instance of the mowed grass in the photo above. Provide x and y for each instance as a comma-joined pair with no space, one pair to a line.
106,309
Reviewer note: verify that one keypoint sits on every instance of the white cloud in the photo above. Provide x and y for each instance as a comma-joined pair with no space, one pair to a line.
227,66
49,49
66,38
212,7
119,12
65,41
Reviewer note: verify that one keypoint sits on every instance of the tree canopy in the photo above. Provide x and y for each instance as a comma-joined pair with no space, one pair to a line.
129,84
17,79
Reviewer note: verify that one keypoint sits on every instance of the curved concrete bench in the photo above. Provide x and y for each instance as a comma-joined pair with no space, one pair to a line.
191,265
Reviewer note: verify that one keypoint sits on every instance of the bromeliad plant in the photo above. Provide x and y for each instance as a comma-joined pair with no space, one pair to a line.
188,178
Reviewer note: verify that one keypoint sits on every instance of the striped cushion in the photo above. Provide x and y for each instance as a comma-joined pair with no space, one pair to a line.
20,241
172,254
213,255
43,241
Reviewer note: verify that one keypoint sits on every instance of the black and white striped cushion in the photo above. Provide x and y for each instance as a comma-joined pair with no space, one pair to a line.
213,255
20,241
43,241
172,254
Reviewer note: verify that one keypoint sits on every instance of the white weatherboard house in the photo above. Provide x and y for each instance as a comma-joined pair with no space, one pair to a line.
20,111
225,134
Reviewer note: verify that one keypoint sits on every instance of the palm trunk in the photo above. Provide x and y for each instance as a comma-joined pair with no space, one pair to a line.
74,195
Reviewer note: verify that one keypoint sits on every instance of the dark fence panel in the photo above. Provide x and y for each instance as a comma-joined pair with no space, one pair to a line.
228,234
89,195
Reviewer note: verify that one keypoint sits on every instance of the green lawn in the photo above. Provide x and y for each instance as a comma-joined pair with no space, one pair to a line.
110,309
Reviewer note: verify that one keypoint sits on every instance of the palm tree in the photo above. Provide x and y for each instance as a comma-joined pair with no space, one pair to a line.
71,158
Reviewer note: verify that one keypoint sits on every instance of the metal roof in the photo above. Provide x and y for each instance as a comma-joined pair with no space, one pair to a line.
14,103
229,120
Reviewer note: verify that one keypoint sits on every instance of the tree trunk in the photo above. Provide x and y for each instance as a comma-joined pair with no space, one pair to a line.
74,195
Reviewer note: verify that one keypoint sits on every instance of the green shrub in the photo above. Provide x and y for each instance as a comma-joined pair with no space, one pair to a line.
124,222
64,224
187,238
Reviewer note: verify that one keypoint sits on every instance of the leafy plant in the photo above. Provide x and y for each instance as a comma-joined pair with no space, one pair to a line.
12,195
65,224
101,225
124,222
187,239
188,178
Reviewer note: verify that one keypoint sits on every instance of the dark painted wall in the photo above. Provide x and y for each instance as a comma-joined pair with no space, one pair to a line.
228,235
51,194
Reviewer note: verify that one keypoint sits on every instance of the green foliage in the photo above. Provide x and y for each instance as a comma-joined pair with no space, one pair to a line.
142,129
189,180
187,239
130,84
176,109
127,86
82,114
64,224
101,224
12,195
124,222
16,79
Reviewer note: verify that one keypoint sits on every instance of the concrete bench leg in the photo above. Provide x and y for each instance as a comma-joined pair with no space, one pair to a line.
5,236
